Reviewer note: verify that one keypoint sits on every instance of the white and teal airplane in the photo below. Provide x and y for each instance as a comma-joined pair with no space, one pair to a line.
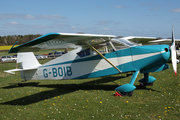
93,56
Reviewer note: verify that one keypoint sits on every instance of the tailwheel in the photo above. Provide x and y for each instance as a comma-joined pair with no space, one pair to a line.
20,84
126,93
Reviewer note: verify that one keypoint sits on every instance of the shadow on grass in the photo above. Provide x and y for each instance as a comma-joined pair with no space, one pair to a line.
61,89
138,87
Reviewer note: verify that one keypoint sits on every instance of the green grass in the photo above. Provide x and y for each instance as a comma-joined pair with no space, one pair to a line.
88,98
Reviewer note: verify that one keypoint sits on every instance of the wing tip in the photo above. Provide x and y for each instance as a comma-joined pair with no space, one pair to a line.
175,72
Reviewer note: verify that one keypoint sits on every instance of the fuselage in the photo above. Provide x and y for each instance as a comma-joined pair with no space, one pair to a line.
79,65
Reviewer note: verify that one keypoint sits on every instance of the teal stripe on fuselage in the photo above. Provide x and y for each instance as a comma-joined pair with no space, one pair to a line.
101,73
145,49
148,62
125,67
125,62
154,60
139,65
97,57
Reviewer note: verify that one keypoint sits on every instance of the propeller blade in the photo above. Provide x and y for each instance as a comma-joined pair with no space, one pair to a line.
173,54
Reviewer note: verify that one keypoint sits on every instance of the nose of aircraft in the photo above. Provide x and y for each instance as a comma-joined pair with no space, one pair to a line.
165,51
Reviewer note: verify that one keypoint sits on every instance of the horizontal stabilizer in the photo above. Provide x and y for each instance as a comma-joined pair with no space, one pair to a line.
17,70
13,71
27,61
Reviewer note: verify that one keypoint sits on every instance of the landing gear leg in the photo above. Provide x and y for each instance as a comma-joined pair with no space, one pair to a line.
147,80
127,89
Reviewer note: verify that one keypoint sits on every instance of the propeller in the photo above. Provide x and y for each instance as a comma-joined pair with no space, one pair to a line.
173,54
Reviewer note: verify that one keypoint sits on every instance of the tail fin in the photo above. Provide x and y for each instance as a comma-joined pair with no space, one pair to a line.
28,62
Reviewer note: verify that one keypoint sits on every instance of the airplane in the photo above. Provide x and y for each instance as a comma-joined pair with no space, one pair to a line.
165,41
93,56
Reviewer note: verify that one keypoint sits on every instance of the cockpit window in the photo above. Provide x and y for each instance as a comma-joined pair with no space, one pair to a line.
122,44
84,53
115,44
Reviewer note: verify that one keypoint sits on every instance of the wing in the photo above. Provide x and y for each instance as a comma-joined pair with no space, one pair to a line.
164,41
128,41
61,40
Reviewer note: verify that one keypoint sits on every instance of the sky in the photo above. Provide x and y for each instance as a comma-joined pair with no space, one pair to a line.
150,18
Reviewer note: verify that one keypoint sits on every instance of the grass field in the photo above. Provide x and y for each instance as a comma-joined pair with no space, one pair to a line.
88,98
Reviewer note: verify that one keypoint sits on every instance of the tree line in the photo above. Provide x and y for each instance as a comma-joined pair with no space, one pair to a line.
11,39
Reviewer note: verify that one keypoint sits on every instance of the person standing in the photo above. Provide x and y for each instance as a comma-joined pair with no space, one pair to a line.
66,50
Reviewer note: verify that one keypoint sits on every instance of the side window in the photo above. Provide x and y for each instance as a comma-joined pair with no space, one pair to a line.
119,46
84,53
104,48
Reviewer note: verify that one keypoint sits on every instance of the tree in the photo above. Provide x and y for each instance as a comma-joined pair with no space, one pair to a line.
11,39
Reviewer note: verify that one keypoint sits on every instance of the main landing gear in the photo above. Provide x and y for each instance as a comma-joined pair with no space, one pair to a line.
147,80
127,89
146,84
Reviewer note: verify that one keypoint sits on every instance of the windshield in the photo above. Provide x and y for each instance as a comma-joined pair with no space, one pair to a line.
124,42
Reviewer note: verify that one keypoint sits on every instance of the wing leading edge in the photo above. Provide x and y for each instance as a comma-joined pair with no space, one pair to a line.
61,40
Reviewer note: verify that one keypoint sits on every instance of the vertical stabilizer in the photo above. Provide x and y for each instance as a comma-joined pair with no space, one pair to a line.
27,60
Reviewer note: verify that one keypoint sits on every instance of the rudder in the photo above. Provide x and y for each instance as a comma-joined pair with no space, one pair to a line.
27,60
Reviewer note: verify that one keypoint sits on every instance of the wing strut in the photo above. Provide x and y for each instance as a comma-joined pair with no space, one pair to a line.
104,58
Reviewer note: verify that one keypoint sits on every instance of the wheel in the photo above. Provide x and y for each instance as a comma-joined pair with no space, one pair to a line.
126,93
20,84
148,84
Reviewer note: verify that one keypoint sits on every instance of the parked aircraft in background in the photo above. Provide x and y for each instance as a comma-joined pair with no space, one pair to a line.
93,56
